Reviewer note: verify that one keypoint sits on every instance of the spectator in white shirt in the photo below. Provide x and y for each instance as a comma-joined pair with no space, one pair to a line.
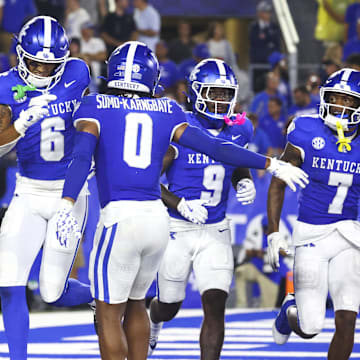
93,51
219,46
75,16
148,23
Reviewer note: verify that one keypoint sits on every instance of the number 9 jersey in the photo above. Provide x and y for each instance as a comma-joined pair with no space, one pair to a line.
44,153
194,175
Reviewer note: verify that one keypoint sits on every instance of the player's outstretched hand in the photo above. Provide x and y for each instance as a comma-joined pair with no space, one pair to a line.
245,191
288,173
38,109
67,227
276,241
193,210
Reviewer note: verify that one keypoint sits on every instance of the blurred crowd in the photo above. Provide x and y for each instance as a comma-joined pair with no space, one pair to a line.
95,29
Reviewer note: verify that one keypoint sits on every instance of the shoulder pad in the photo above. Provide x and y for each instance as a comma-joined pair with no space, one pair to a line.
306,124
246,129
8,80
77,69
301,129
90,99
83,105
190,117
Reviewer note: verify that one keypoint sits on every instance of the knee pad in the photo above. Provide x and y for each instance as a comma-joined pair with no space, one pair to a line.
307,275
312,325
292,315
50,293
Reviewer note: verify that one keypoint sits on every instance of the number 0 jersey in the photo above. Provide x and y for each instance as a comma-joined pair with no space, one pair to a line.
194,175
134,137
334,189
45,151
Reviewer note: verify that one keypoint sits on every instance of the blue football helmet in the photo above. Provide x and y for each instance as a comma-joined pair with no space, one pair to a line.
345,81
213,89
42,39
133,66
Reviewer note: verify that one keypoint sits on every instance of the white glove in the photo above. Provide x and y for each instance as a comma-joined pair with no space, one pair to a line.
276,241
288,173
245,191
193,210
38,109
67,227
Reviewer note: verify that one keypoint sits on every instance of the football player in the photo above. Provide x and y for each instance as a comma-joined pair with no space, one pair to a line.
327,234
37,99
129,131
212,89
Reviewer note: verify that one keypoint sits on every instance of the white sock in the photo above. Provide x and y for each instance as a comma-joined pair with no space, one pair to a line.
155,328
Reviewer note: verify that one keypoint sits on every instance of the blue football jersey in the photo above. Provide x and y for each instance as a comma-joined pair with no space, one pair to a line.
134,137
194,175
45,151
333,192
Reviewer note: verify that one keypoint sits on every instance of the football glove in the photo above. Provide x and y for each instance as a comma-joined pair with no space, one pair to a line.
276,241
38,109
245,191
193,210
288,173
67,227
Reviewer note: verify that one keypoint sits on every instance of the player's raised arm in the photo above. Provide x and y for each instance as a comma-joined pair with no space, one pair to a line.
233,154
276,192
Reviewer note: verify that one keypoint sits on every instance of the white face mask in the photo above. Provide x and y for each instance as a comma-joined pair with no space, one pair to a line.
40,82
201,101
331,120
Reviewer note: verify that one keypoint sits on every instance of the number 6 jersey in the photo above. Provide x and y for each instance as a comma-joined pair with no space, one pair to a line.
44,153
194,175
333,192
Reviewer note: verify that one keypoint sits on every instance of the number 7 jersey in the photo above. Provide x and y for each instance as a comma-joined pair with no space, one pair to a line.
334,189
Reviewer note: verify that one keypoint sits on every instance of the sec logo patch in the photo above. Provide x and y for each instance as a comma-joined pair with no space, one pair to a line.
318,143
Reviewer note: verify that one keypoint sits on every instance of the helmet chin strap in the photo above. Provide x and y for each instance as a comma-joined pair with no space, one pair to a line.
343,141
